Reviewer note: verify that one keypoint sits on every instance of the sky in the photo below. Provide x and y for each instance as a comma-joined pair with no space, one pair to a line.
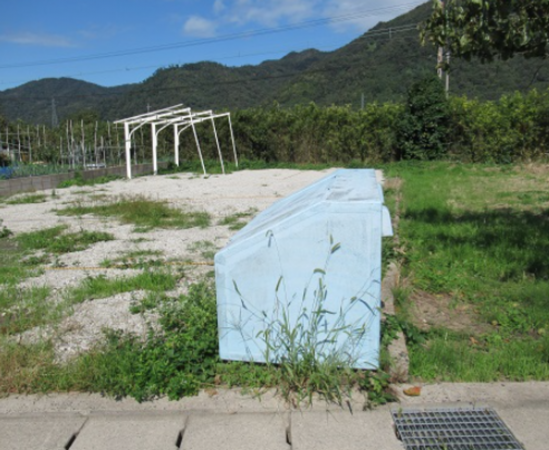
114,42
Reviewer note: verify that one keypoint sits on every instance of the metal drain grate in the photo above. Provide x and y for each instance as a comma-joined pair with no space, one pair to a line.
453,429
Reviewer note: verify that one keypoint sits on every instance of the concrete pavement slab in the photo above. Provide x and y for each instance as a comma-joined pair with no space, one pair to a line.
502,394
530,425
227,419
363,430
51,432
131,432
265,431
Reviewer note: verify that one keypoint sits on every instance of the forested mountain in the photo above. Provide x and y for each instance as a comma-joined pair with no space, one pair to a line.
381,65
214,86
32,102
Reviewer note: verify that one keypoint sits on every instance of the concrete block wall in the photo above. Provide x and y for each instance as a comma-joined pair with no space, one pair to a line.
45,182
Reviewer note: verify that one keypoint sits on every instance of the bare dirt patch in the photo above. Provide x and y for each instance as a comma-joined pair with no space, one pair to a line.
393,183
429,311
86,326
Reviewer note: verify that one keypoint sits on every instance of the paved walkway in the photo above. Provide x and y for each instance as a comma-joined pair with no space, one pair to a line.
230,421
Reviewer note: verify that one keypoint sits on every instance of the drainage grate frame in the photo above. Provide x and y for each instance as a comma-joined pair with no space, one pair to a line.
463,428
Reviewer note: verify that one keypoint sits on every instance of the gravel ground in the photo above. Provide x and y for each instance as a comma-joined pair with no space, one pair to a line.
219,195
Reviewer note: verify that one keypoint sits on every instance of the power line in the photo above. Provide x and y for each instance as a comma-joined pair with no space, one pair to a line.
223,38
370,34
156,66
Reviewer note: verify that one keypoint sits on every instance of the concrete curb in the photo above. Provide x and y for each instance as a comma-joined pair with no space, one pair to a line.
398,352
232,421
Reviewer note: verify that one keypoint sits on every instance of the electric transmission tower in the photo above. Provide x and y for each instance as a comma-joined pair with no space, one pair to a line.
54,118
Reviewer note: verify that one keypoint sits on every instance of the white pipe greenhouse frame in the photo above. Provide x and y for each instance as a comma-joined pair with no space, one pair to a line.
181,119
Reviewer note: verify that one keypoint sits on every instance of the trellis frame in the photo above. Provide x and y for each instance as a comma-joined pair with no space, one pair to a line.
176,116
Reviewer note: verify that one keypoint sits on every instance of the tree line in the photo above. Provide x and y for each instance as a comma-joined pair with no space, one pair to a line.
426,126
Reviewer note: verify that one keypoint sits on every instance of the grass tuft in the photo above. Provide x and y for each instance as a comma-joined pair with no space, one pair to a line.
236,221
24,308
142,212
54,240
207,249
78,180
26,199
103,287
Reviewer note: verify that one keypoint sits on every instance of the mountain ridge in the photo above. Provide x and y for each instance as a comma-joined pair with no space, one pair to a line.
380,65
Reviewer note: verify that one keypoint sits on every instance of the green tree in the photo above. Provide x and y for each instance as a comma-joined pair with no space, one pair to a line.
423,126
488,29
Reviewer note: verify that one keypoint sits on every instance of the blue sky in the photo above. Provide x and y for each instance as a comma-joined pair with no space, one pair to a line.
124,41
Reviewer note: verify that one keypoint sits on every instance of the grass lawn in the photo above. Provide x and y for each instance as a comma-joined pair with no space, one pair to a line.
475,297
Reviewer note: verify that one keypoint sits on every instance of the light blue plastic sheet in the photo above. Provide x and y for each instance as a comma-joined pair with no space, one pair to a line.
311,263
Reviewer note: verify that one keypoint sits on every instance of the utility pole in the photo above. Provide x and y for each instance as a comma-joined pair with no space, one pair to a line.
19,142
440,61
83,144
95,145
447,73
440,53
68,146
45,140
8,140
29,144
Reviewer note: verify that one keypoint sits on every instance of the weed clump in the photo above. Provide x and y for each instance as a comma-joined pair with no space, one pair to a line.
176,363
4,231
27,199
237,221
78,180
54,239
144,213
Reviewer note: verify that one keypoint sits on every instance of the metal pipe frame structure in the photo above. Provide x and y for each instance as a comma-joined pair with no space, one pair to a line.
178,117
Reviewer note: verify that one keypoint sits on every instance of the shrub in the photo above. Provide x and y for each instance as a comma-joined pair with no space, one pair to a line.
423,126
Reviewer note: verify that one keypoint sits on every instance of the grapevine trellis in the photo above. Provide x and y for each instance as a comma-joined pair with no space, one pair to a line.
89,144
75,144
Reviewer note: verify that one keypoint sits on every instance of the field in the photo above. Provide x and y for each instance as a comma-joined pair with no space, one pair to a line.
474,250
109,288
89,273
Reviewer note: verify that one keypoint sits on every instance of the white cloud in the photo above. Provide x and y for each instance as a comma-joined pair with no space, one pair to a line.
361,16
43,40
348,15
219,6
197,26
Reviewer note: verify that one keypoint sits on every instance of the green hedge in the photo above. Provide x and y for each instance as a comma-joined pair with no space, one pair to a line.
426,126
312,134
515,128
